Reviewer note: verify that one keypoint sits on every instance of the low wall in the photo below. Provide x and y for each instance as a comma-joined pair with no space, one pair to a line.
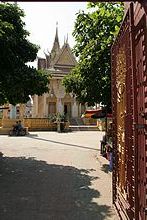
33,124
8,123
44,124
0,122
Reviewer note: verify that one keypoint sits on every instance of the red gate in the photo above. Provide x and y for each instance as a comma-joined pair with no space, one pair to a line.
129,103
140,113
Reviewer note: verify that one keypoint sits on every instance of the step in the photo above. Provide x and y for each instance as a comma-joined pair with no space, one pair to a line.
83,128
4,130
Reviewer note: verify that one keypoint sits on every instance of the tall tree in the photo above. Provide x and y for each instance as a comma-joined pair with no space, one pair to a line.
17,79
94,34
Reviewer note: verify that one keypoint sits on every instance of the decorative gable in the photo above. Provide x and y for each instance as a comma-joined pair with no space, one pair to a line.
65,57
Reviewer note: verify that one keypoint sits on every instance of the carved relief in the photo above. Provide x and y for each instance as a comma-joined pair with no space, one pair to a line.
121,110
120,73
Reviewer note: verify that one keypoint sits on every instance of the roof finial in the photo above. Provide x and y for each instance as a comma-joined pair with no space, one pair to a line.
56,46
56,36
56,24
67,38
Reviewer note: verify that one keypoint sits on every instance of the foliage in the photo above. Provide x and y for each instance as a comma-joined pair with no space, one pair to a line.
94,33
52,117
57,117
17,79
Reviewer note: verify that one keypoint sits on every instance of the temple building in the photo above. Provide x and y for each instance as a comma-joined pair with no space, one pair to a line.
59,62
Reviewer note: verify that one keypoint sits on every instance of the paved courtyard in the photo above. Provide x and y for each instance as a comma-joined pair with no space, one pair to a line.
55,176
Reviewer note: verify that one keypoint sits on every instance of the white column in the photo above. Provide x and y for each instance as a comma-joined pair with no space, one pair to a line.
79,110
41,107
74,109
13,112
59,106
35,106
44,106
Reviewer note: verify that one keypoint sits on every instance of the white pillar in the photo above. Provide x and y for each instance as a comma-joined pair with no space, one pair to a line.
13,112
35,106
41,106
74,109
79,114
44,105
59,106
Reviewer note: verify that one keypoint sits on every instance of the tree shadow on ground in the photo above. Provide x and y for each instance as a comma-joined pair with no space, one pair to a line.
35,190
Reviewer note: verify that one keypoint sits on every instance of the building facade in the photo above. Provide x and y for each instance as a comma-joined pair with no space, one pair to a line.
59,62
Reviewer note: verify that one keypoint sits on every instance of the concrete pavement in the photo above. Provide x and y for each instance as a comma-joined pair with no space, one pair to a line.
55,176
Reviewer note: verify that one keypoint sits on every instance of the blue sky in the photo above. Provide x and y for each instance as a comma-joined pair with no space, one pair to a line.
41,18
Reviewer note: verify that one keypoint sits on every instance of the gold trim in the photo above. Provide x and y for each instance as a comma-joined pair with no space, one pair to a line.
121,110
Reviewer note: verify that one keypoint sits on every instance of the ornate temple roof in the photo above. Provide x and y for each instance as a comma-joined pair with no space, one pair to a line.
60,60
65,58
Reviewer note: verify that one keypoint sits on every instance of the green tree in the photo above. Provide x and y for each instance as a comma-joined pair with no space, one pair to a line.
17,79
94,34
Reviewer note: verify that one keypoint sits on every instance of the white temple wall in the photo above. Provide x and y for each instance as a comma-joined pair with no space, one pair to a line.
56,94
75,110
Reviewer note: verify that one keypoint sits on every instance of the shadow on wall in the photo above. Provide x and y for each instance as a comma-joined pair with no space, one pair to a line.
35,190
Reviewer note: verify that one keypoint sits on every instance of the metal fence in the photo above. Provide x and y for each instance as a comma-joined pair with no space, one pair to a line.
129,103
